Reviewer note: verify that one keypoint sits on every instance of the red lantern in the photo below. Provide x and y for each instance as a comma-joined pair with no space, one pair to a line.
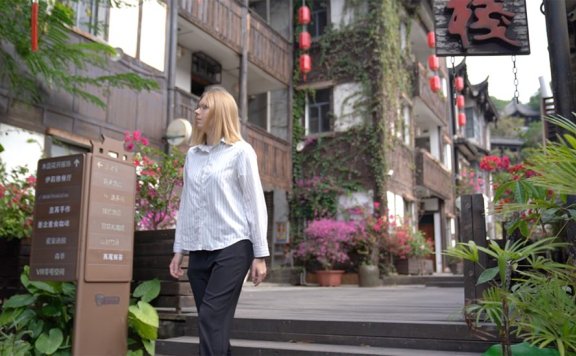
458,83
34,26
431,38
305,64
460,102
305,40
461,119
433,62
435,83
304,15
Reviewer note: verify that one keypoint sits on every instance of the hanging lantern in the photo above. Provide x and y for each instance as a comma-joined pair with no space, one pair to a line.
461,119
431,39
459,83
433,62
435,83
34,26
305,64
460,102
305,40
304,15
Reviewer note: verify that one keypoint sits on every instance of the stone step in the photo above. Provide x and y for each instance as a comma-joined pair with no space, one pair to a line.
447,336
186,345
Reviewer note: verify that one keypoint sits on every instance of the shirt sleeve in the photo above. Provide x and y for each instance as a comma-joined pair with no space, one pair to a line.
254,203
179,221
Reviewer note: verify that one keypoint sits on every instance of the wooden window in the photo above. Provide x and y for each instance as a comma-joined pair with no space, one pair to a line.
91,16
137,27
319,111
319,14
205,72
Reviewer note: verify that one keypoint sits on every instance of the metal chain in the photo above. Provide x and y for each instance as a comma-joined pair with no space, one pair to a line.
515,71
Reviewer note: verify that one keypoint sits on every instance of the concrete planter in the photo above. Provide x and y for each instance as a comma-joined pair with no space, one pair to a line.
414,266
331,278
369,276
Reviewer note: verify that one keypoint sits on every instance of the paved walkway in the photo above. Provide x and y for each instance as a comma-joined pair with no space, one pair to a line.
351,303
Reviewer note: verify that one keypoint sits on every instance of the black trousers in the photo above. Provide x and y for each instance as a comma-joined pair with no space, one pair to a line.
216,278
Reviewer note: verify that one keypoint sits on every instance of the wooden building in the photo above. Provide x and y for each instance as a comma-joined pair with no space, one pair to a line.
374,86
184,46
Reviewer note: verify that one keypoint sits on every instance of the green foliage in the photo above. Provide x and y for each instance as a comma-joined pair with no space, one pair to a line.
143,320
532,137
527,292
24,70
40,322
42,318
366,51
556,165
522,348
507,127
535,99
546,310
499,103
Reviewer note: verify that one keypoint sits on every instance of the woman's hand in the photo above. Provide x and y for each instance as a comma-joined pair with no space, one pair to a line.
258,270
175,269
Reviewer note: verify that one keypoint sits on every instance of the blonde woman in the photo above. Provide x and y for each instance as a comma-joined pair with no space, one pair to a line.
222,220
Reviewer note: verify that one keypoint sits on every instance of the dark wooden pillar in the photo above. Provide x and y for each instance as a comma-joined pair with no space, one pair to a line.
473,228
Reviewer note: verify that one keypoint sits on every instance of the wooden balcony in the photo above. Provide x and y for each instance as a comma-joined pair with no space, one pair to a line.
274,154
185,104
434,102
432,176
223,20
274,157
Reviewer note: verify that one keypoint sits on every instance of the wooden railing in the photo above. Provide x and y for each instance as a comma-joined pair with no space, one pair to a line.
274,157
223,20
185,104
274,154
432,175
220,18
435,102
270,50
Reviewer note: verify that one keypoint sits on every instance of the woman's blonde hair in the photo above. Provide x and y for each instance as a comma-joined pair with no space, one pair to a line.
222,117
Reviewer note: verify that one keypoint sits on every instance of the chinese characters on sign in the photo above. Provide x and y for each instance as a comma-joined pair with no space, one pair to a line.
481,27
110,221
57,218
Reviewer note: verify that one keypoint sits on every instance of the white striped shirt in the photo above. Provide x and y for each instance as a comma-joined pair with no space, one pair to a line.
222,200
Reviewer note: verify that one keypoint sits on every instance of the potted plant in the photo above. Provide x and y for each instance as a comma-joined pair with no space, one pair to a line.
420,248
328,242
372,234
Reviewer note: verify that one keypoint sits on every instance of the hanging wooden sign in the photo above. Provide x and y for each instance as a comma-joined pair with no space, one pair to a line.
481,27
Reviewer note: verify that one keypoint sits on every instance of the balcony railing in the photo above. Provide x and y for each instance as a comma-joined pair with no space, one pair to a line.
274,154
223,20
431,175
185,104
435,103
274,157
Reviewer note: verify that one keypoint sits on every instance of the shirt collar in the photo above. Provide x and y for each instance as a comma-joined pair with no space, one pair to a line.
208,148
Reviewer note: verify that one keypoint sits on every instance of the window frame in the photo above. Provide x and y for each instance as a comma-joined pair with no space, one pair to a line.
319,8
324,119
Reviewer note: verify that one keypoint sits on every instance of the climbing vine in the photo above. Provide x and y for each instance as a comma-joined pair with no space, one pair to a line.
366,51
